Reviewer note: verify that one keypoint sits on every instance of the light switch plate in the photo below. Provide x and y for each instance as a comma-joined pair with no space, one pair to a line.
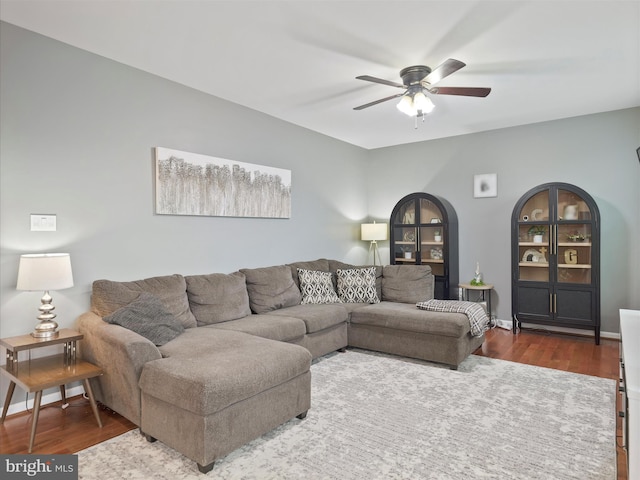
43,223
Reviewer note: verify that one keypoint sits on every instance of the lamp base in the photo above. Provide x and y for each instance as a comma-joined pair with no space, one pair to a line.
45,329
374,247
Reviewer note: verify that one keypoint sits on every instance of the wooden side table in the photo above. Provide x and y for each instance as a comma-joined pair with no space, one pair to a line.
487,287
41,373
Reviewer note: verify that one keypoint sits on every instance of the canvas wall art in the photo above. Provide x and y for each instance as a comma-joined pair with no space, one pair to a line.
195,184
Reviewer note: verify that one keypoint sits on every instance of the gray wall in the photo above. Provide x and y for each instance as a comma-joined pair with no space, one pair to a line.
595,152
77,135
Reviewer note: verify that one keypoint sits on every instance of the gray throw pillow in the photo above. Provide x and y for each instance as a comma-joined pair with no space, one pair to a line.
147,317
108,296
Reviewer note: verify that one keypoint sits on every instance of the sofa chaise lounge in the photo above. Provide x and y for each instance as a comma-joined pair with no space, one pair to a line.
207,363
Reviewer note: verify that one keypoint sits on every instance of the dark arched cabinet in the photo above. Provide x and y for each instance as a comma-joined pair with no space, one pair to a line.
555,258
424,231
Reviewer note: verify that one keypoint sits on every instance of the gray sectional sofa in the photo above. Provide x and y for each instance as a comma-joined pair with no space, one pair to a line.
207,363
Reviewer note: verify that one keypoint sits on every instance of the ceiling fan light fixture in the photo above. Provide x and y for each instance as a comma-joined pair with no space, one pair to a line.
422,103
415,104
405,105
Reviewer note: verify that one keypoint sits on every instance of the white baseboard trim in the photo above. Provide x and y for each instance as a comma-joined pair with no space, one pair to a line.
52,397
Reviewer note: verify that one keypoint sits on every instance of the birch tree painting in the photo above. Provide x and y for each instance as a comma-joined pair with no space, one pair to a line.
194,184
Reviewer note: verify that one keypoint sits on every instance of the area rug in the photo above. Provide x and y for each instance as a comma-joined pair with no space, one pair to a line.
376,416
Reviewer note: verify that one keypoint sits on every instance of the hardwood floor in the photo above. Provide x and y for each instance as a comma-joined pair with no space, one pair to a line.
73,429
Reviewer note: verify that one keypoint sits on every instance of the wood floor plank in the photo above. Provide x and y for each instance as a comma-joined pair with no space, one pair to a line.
74,428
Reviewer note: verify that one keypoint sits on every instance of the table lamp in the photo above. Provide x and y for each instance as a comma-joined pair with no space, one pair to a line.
44,272
373,232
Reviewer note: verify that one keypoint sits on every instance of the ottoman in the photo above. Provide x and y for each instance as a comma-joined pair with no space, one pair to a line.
207,405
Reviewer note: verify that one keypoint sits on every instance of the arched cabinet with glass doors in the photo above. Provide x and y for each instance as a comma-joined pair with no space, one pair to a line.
556,258
424,231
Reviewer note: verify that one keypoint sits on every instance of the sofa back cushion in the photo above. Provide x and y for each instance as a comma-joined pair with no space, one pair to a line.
271,288
320,265
109,296
218,297
407,283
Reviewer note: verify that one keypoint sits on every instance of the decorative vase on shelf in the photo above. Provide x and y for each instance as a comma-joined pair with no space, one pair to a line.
437,237
537,238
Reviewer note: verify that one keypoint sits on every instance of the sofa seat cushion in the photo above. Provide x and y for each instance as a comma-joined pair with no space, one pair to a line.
404,316
275,327
316,317
236,366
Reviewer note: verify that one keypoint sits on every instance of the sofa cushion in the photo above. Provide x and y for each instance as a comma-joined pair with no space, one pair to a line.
275,327
316,317
270,288
357,285
317,287
334,265
147,316
407,317
228,367
407,283
109,296
320,265
218,297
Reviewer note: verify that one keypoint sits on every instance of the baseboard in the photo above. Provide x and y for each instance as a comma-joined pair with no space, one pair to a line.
52,397
506,324
572,331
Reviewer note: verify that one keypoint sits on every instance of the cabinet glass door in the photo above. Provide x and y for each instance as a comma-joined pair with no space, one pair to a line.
405,233
406,245
534,239
573,239
431,236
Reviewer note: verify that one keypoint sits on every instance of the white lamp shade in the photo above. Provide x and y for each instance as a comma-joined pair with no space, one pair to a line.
373,231
44,271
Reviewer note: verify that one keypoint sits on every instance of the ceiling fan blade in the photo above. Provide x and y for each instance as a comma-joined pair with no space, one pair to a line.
367,105
465,91
369,78
444,70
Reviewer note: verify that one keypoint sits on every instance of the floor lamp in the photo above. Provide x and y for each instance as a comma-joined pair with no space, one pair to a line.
372,232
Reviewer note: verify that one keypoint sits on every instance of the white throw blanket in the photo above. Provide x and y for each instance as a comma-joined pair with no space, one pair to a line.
478,319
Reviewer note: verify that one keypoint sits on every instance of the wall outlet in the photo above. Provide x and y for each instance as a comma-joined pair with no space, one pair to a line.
43,223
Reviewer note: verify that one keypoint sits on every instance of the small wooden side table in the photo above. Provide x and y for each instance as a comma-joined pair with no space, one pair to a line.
46,372
487,287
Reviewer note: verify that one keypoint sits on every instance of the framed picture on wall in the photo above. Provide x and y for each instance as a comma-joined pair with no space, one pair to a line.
195,184
485,185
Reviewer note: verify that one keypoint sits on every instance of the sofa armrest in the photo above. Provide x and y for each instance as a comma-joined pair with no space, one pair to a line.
121,354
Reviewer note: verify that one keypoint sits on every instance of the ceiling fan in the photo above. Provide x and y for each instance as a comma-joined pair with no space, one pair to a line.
419,80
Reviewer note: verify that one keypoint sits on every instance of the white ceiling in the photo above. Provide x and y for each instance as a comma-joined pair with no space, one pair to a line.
297,60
